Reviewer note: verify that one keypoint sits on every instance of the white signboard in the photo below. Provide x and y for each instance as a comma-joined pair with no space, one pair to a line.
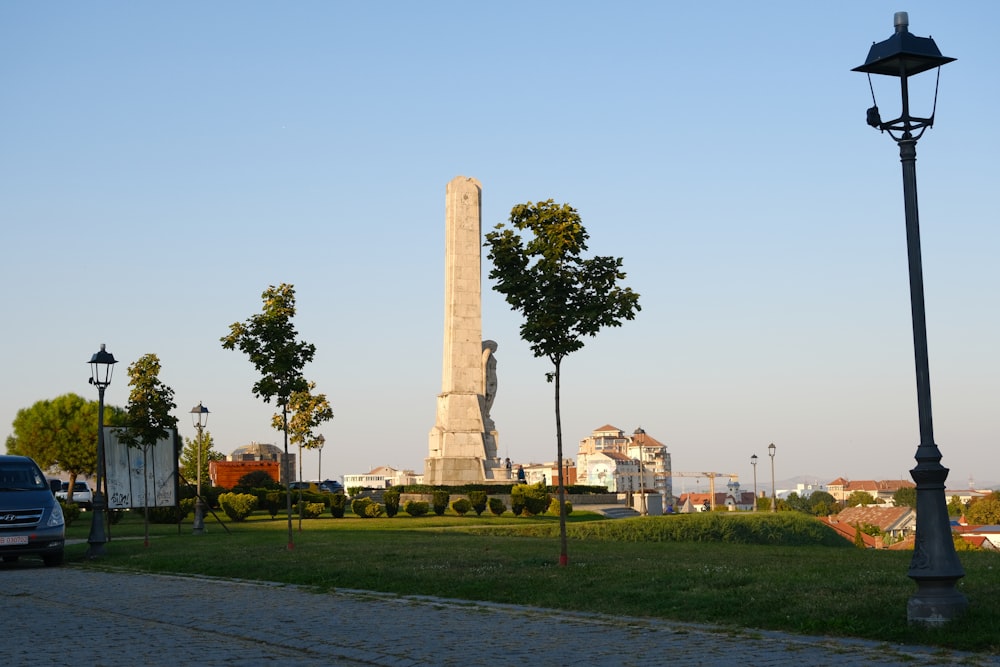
140,476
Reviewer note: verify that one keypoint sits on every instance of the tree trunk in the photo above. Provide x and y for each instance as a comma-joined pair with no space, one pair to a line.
563,557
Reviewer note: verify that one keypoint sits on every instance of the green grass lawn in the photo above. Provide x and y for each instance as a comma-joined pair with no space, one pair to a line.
810,589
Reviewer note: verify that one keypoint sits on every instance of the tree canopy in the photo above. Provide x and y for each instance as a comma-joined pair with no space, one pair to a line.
60,432
150,401
308,412
905,496
562,296
862,498
984,511
268,340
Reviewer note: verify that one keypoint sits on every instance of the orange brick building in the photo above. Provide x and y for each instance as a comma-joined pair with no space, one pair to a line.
226,474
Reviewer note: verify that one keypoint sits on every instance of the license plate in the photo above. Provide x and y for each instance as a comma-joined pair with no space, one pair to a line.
13,539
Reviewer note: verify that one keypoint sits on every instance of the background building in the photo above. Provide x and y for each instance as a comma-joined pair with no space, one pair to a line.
249,458
624,463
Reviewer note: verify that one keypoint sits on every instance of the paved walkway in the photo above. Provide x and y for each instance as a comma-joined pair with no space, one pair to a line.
74,616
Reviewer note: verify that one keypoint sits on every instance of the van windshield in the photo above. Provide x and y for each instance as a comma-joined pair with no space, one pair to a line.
21,476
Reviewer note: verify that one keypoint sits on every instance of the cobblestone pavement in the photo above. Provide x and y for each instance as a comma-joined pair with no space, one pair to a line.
74,616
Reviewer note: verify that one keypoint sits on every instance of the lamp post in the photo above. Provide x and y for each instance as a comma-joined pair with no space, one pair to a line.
101,367
320,441
774,492
644,511
935,567
199,417
753,462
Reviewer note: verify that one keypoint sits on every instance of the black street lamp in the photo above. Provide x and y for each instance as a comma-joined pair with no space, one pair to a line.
199,417
320,441
774,492
101,367
753,462
935,566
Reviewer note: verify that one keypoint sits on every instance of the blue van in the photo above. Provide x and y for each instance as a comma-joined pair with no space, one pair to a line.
31,520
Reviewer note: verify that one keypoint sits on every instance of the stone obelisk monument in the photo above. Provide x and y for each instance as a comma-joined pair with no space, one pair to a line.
463,442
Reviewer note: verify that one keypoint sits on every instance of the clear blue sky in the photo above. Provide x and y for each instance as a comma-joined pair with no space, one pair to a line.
162,163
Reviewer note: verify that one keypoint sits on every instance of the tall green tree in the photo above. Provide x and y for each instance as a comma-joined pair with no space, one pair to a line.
269,341
147,414
562,296
188,461
62,433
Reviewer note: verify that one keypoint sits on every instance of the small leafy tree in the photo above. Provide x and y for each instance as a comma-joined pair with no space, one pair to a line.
307,412
147,415
269,340
188,462
955,506
562,296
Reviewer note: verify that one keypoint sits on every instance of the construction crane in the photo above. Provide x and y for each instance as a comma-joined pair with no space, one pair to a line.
733,477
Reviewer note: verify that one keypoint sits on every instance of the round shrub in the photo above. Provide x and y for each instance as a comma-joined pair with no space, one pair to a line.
441,498
462,506
533,499
238,506
338,505
71,512
360,505
497,506
478,501
417,507
391,499
310,510
554,507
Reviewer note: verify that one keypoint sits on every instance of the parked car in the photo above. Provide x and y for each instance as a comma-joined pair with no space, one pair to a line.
331,486
82,495
311,487
31,520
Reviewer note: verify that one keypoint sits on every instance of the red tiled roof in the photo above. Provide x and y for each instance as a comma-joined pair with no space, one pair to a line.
850,533
886,518
646,440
